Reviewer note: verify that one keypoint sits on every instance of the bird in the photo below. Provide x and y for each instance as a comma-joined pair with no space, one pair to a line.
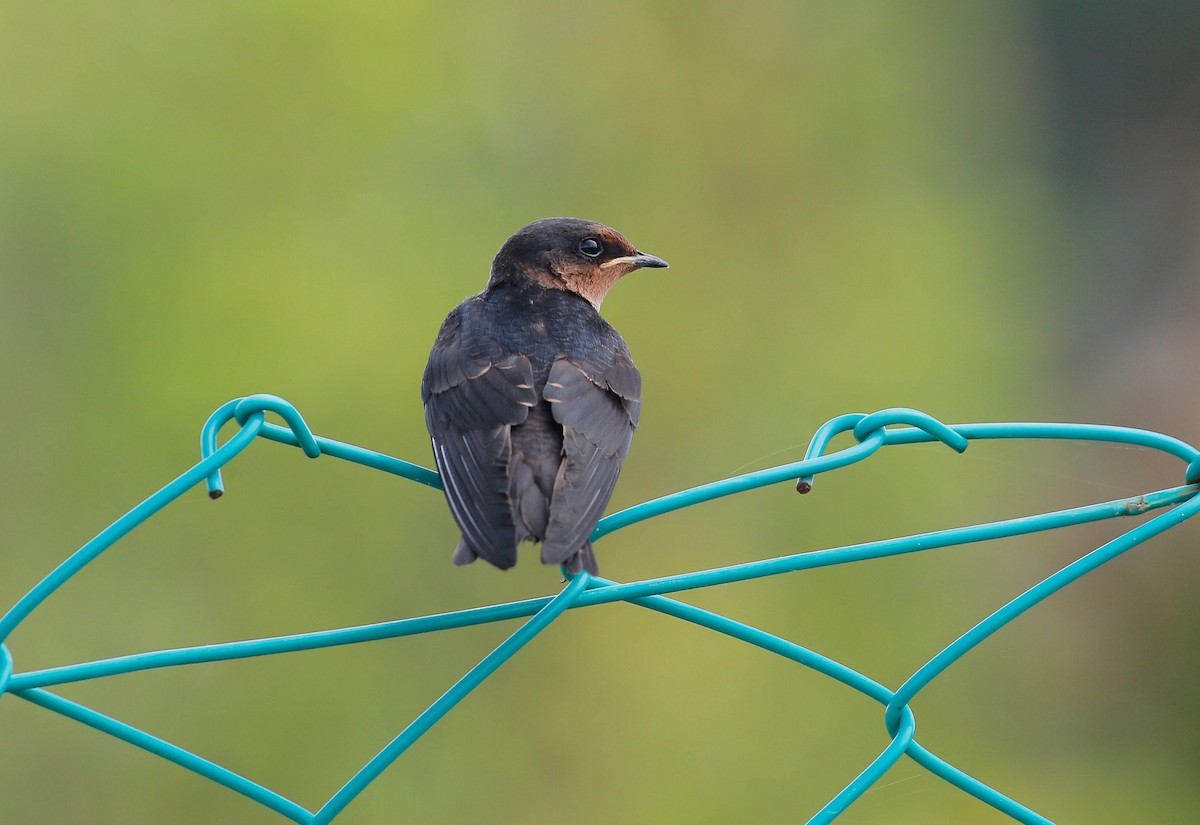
531,398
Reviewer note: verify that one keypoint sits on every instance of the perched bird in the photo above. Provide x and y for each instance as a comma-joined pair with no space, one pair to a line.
531,398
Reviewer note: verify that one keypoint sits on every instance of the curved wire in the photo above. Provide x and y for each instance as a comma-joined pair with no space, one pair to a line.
871,433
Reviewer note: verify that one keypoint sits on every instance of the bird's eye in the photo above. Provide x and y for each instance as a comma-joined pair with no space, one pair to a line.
590,247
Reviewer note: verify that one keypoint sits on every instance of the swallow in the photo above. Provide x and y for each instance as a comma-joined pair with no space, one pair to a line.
531,397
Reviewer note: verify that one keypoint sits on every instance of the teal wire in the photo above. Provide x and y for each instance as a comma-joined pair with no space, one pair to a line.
871,432
474,677
167,751
296,434
616,592
902,741
613,592
1039,592
122,526
6,669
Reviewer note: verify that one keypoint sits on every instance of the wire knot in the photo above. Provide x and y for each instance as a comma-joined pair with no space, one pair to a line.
868,425
872,428
264,402
250,413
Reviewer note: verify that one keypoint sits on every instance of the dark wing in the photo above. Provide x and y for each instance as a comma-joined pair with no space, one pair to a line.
474,393
597,402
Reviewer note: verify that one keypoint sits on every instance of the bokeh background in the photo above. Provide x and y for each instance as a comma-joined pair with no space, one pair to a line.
988,211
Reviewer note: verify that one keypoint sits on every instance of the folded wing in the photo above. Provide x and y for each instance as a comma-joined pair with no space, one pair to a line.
474,394
597,401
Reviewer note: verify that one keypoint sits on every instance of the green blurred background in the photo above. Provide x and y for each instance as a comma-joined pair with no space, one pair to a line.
987,211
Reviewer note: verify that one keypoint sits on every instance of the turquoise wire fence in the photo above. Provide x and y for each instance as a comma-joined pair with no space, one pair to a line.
871,433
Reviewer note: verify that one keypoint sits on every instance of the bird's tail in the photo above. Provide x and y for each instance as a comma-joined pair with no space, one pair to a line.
582,559
463,554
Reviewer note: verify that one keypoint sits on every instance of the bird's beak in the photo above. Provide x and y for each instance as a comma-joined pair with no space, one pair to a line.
637,261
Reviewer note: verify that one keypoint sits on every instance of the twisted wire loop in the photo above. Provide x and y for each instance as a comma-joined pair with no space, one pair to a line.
870,431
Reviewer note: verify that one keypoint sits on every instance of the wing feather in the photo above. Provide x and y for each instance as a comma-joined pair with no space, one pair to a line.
473,396
598,407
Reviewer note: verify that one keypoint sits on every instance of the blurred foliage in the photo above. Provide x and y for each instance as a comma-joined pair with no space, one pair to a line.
862,207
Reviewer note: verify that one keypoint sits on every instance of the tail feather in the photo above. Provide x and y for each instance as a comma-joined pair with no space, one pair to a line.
581,559
463,554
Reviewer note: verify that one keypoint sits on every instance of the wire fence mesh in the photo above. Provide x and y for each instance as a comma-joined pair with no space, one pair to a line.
870,432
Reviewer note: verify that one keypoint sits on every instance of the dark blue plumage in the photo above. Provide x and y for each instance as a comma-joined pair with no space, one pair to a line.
531,397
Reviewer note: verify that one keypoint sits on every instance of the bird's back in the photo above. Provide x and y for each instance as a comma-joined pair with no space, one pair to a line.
531,397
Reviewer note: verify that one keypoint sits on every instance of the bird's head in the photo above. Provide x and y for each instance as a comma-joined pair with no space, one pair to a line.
580,256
